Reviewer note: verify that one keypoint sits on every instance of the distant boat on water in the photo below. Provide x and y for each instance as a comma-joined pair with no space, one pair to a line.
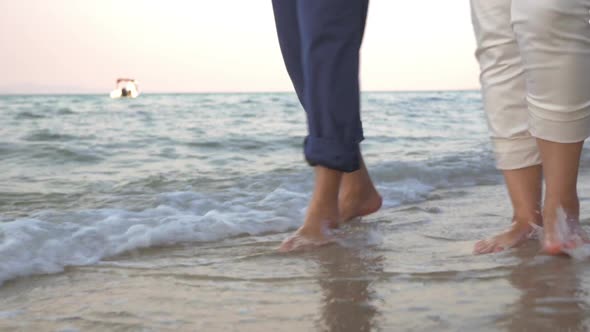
126,88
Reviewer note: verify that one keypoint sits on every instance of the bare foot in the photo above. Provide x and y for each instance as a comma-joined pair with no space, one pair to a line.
518,233
563,234
336,197
359,205
322,213
315,234
308,237
358,196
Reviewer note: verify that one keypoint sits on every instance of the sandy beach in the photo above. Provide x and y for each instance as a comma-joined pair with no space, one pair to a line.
403,269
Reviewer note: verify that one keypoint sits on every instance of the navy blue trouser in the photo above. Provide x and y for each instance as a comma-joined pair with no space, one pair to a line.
320,42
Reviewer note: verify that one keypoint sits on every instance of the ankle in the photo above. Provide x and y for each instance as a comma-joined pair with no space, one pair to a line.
527,217
321,210
569,204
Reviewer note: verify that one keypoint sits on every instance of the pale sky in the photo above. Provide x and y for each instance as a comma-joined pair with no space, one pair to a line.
72,46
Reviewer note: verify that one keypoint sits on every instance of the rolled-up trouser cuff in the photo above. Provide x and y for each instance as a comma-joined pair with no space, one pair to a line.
560,127
332,154
515,153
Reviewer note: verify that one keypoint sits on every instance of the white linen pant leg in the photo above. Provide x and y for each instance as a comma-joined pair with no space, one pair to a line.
503,85
554,40
534,57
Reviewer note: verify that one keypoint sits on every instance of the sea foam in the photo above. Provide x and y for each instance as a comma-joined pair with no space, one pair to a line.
49,242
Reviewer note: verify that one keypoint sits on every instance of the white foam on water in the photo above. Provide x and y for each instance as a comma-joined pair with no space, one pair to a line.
69,329
581,252
369,237
10,314
48,243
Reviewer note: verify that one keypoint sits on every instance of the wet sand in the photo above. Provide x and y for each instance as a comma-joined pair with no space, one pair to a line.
404,269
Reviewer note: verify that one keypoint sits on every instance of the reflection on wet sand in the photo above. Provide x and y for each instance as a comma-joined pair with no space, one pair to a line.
346,277
552,295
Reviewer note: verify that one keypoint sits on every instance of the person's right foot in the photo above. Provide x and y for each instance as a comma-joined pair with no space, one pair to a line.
359,203
562,234
357,196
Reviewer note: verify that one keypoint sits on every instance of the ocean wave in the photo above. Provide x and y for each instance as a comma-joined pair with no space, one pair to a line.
29,115
8,149
249,144
48,243
61,154
47,135
65,111
467,168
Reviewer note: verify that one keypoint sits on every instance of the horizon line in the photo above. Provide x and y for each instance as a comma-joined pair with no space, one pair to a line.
216,92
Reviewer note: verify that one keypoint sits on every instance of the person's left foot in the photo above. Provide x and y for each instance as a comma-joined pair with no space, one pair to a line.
321,218
356,197
308,236
518,233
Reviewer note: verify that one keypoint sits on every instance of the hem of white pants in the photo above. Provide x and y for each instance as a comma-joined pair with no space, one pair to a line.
561,127
516,153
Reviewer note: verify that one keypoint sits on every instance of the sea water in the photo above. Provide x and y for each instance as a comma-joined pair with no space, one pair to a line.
85,177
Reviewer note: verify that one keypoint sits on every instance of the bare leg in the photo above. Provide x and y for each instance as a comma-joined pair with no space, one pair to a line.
358,196
322,212
525,190
561,162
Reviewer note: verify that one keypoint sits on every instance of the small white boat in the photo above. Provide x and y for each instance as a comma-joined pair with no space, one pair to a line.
126,88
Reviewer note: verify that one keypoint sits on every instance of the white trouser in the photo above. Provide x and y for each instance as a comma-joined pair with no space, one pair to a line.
534,57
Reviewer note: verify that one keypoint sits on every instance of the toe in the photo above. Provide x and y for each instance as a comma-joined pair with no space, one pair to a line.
302,241
483,247
479,245
574,243
498,249
288,244
552,248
